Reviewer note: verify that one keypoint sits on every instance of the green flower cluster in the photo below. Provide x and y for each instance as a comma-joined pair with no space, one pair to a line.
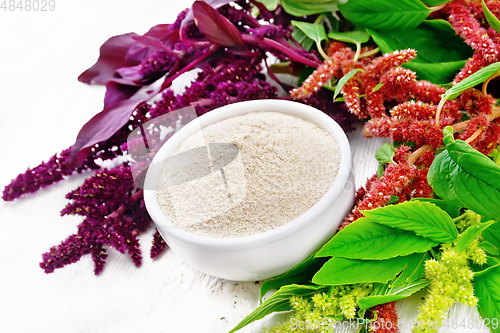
450,281
312,314
466,220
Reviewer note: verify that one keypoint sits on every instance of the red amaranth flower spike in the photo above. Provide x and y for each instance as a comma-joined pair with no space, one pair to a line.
471,31
387,319
418,110
315,81
351,92
396,177
475,102
407,129
381,65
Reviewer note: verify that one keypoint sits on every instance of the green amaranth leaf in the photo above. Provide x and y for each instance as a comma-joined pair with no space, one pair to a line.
469,235
377,87
452,210
301,8
304,75
354,37
365,239
338,271
464,177
393,200
300,274
343,81
433,3
385,153
414,270
278,302
423,218
385,293
380,170
316,32
303,40
492,234
270,4
440,52
492,20
385,14
496,157
478,77
490,248
438,73
491,263
487,290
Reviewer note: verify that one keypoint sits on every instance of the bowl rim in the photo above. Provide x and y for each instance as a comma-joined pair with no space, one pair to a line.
236,109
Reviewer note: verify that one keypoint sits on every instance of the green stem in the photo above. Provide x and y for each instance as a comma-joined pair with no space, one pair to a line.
369,53
436,8
321,51
319,19
460,218
358,52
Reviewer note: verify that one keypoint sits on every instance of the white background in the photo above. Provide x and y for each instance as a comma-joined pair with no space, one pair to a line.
42,107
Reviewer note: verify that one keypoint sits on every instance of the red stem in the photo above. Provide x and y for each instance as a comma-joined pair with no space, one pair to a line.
168,80
282,48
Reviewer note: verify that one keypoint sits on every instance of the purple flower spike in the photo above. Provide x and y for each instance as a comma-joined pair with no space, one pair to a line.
45,174
159,245
113,216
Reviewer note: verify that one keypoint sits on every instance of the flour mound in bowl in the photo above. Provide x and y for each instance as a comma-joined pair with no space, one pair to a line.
247,174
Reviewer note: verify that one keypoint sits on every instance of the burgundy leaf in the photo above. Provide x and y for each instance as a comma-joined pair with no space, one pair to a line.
117,91
165,33
152,42
106,123
159,31
189,19
113,55
129,75
218,29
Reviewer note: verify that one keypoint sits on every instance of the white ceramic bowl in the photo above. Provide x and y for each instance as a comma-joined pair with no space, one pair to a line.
270,253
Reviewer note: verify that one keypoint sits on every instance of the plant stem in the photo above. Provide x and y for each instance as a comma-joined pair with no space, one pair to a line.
369,53
438,111
417,153
168,81
436,8
485,83
460,218
475,135
358,52
282,48
319,19
321,51
460,126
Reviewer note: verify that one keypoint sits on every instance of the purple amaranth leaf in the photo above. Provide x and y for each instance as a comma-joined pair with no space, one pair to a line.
121,89
151,42
161,31
113,55
104,124
127,50
218,29
189,19
107,122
